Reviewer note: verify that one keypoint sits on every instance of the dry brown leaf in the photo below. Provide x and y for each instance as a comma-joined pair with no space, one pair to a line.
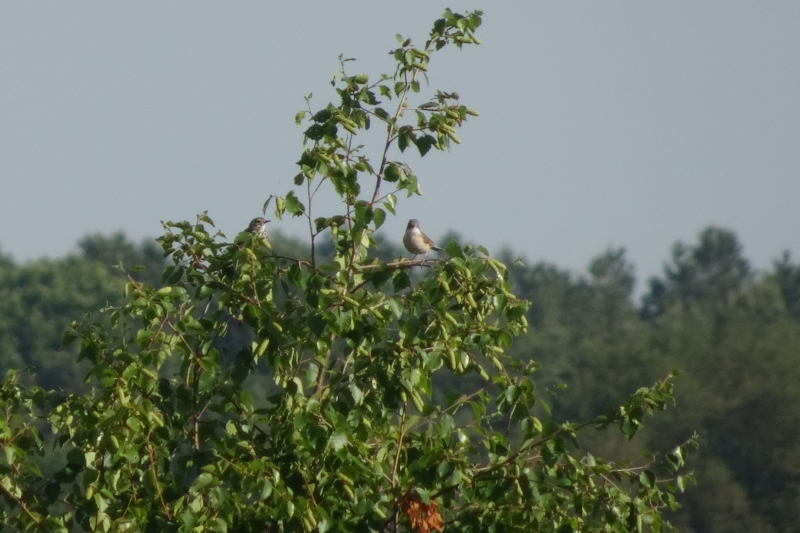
424,517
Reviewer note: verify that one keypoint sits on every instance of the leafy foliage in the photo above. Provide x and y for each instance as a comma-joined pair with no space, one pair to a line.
348,438
37,303
732,334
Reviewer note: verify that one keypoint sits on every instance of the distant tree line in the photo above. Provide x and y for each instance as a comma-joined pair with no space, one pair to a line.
732,332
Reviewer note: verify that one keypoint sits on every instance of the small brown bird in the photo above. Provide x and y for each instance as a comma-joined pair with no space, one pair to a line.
417,242
258,226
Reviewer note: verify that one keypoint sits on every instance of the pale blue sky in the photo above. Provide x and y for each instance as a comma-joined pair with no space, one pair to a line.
602,123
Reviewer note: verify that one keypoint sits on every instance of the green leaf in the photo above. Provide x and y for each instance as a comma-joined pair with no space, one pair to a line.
403,139
396,306
207,382
202,481
11,454
363,214
280,207
389,204
378,217
338,441
400,281
260,347
424,143
358,394
293,205
628,428
392,173
205,291
33,467
75,457
454,250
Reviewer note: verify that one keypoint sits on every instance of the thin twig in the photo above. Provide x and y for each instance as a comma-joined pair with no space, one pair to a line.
310,227
150,453
399,446
21,505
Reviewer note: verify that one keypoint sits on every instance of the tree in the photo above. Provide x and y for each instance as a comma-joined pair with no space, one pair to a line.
171,439
115,250
711,272
787,276
37,303
586,334
738,358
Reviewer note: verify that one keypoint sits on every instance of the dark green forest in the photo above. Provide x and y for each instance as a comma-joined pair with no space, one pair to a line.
732,332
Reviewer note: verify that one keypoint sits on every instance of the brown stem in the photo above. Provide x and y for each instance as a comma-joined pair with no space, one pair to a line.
321,375
310,227
151,455
195,414
399,446
21,505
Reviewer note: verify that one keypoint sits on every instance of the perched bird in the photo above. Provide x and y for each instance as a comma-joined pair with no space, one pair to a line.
415,241
258,226
229,261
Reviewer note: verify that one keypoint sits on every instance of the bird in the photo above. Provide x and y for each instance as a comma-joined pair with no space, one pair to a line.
258,226
417,242
227,262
